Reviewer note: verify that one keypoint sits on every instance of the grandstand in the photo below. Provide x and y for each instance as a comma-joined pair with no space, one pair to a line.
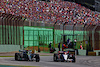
50,12
79,19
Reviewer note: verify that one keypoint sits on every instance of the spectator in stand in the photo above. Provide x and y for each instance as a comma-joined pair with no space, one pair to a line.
56,10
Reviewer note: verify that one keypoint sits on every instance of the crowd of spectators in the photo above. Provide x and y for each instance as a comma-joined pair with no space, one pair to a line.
50,12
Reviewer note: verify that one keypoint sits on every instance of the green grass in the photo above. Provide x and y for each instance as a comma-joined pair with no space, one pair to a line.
17,66
6,56
26,66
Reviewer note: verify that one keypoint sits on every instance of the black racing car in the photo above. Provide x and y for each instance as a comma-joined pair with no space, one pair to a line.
26,55
67,55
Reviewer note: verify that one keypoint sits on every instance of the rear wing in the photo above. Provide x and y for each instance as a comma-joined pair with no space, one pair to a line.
22,50
71,51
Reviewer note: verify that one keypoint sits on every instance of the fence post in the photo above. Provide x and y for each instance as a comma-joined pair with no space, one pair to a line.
6,28
9,32
14,18
54,33
93,35
0,29
23,32
84,35
3,32
73,31
11,28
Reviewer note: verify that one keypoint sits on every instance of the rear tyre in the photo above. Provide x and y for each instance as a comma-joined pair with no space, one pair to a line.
55,58
16,56
37,58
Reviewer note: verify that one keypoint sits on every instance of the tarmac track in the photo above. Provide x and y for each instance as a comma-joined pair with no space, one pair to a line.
47,61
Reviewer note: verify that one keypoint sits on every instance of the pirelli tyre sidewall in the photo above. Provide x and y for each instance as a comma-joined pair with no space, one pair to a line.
16,56
37,58
55,57
74,59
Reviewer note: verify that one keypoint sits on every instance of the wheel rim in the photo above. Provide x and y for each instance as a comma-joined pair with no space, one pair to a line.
18,57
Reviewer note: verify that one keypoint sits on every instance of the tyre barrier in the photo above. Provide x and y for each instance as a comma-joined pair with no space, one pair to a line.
91,53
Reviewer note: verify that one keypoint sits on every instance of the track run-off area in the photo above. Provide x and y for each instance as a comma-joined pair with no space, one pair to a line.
47,61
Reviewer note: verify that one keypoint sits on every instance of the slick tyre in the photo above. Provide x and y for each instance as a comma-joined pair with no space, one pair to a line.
37,58
62,58
74,59
16,56
55,58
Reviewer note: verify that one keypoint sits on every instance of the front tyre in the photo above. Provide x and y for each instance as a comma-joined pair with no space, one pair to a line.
18,57
37,58
62,58
74,59
54,57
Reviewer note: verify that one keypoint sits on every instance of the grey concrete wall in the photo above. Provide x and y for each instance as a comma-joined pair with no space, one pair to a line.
82,52
9,48
97,51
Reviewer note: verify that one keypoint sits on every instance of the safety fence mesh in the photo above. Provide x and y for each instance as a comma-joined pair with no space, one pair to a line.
12,27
